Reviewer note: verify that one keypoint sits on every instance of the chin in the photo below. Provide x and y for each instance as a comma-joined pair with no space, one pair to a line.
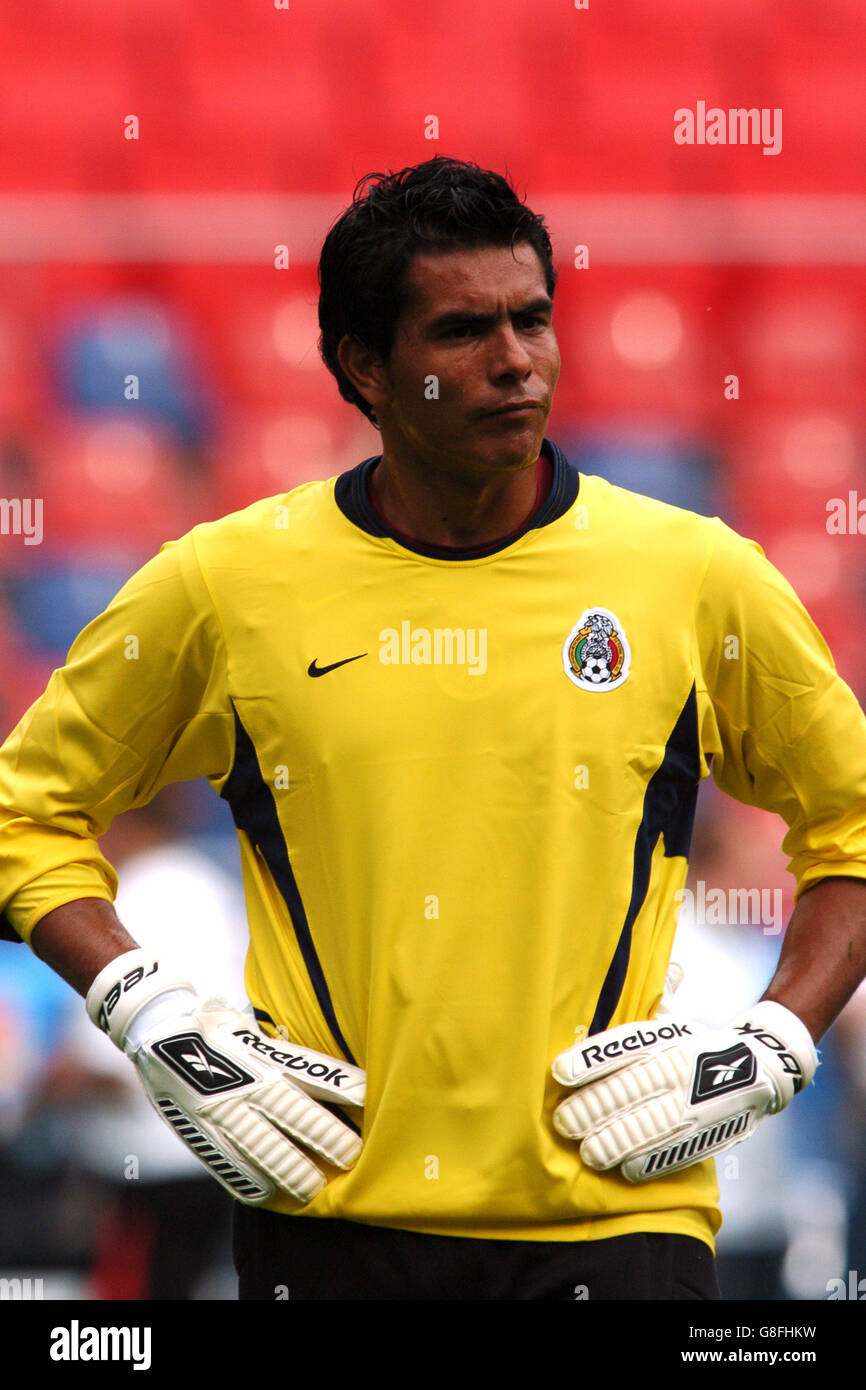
514,453
510,450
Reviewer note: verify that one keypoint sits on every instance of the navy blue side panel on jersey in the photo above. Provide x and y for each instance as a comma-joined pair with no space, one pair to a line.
254,811
669,811
350,494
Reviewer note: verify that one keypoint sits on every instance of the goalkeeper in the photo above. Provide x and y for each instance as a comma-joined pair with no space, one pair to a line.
459,701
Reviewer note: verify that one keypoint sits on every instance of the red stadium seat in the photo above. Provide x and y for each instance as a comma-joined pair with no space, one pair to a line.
801,337
114,480
635,344
262,327
788,466
270,453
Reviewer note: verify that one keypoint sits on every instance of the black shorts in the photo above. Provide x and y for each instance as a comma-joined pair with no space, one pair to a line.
291,1257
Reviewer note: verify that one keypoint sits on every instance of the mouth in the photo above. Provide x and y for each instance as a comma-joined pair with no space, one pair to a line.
516,408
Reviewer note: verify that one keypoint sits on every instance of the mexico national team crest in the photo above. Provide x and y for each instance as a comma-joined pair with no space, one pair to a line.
596,654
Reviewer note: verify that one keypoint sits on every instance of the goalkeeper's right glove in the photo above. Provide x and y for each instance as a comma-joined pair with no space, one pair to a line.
243,1103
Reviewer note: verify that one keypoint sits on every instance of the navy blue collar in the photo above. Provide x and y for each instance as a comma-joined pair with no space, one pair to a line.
353,499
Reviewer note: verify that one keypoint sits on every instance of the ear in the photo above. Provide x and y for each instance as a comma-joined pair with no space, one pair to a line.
366,371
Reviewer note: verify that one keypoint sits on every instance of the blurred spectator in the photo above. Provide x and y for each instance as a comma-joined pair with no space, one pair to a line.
134,350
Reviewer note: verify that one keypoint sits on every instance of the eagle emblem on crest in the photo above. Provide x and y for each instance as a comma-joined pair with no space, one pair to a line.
596,654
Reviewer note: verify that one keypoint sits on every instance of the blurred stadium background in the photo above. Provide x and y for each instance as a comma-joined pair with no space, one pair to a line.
154,257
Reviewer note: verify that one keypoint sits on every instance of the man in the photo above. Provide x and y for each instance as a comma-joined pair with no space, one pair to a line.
459,701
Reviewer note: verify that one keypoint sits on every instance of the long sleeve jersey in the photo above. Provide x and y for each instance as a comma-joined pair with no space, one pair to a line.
463,790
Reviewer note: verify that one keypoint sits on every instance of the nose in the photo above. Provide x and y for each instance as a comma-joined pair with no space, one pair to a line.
509,355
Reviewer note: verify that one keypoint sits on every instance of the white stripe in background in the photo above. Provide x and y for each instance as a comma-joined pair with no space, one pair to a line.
244,228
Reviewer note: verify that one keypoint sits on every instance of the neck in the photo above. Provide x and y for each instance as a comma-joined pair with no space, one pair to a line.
454,510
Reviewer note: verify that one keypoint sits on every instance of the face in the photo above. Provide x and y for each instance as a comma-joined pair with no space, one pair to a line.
479,321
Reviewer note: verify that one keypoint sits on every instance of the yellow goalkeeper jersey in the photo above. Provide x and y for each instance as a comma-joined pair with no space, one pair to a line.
464,788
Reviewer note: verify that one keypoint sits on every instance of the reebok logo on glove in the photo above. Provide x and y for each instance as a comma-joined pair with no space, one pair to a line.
644,1037
333,1076
788,1060
123,985
716,1073
207,1071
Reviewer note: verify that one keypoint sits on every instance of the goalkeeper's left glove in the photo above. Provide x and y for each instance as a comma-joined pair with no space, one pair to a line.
657,1096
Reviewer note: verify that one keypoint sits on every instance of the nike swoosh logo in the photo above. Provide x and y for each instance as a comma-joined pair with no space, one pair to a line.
314,670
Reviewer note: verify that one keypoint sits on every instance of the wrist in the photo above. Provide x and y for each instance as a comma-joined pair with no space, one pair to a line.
171,1003
132,993
784,1042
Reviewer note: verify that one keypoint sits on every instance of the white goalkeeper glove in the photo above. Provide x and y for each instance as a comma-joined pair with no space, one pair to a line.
243,1103
657,1096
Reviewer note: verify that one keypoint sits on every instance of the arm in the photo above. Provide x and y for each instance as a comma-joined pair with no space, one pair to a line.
119,721
115,724
786,734
79,939
823,955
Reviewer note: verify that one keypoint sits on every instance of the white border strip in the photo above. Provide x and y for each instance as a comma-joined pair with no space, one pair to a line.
244,228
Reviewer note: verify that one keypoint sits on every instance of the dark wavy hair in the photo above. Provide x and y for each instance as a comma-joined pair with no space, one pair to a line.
441,205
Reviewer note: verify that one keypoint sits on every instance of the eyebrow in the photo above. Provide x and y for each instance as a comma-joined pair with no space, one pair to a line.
457,317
